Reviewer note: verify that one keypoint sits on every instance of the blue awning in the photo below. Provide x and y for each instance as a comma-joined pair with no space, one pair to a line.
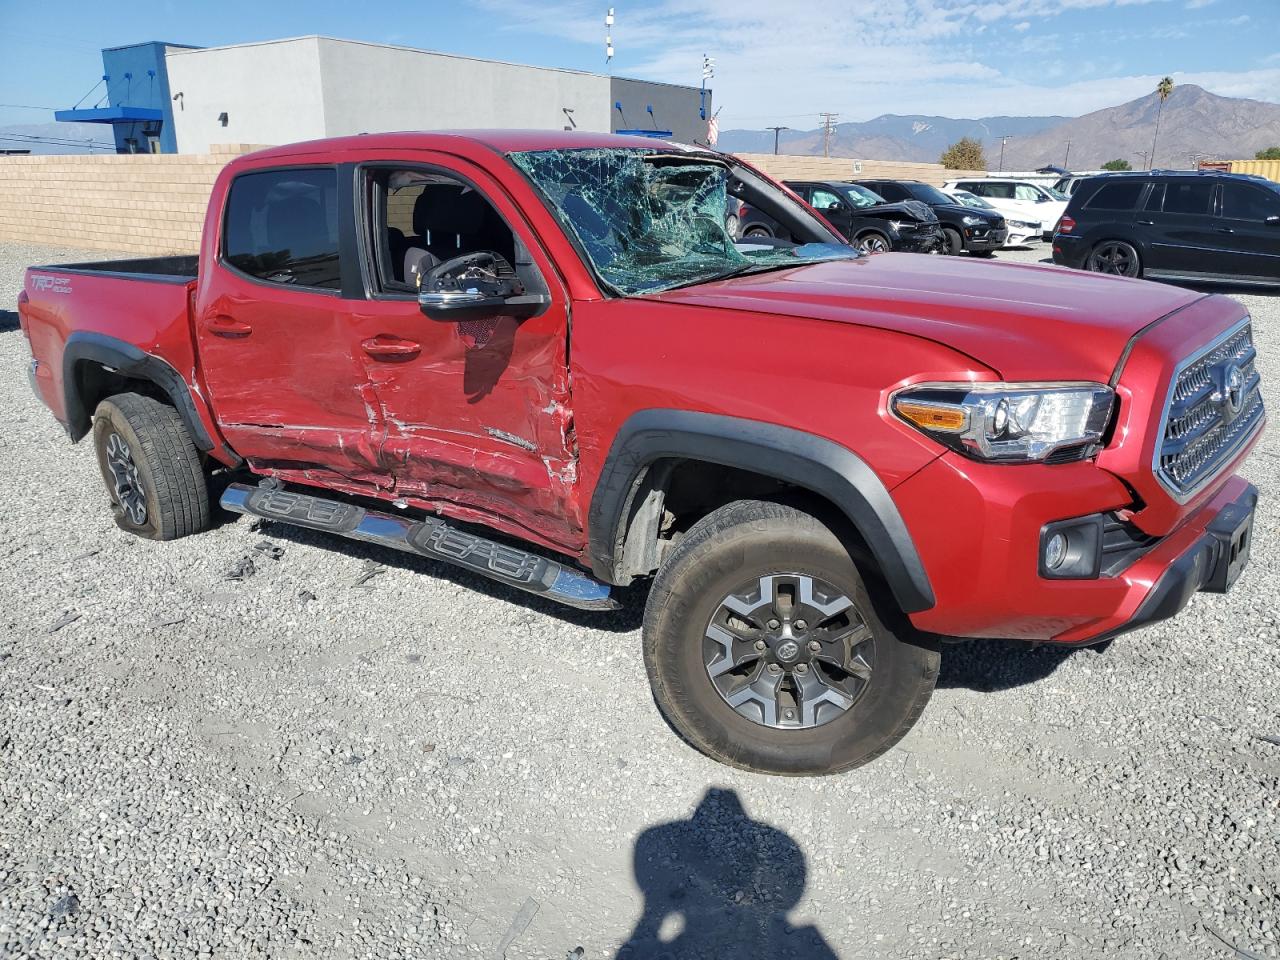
109,115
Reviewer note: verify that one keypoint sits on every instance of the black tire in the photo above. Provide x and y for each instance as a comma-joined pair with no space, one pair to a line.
1118,258
952,242
874,242
985,254
153,472
757,539
757,231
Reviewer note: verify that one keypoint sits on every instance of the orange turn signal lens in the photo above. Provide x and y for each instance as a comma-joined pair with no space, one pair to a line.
933,416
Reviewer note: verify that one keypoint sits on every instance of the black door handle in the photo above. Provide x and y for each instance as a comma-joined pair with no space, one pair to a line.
1224,230
1147,223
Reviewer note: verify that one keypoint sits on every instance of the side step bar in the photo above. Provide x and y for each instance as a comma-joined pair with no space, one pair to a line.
428,537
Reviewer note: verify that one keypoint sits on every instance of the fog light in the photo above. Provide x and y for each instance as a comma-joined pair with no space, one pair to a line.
1071,549
1055,551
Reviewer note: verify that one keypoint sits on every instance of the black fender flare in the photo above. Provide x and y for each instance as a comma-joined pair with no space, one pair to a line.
134,363
812,463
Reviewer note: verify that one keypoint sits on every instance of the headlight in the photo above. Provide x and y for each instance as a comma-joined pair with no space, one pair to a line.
972,221
1010,422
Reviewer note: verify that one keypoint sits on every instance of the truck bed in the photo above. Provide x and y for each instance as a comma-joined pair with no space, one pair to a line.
177,269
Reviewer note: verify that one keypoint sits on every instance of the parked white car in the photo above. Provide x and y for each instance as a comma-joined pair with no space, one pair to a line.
1021,232
1019,199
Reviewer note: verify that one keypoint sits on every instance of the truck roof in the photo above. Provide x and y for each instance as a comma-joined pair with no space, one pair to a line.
502,141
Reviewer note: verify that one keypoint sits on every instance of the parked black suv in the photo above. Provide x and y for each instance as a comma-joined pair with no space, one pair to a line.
963,228
1201,226
860,215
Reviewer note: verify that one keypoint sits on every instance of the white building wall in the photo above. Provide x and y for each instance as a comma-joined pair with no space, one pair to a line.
271,93
372,89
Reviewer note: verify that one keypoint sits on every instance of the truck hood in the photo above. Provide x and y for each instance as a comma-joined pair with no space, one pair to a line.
1024,321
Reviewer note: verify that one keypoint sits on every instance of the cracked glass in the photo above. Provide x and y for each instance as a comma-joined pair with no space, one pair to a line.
654,221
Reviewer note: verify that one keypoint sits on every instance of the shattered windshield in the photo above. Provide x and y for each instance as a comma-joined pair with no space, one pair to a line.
860,197
654,221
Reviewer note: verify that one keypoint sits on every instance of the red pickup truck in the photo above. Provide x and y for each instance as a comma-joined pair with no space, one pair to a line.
540,356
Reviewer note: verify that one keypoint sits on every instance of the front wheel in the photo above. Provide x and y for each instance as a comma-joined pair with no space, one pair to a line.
952,244
1115,257
758,232
765,651
874,242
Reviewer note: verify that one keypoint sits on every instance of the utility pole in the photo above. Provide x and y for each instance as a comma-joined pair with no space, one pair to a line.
1003,140
828,128
1068,156
1144,154
708,71
776,131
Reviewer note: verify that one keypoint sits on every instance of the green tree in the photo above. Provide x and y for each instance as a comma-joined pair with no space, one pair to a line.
965,154
1163,88
1117,165
1271,153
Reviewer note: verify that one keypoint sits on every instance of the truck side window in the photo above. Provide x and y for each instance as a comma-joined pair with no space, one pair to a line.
282,226
423,218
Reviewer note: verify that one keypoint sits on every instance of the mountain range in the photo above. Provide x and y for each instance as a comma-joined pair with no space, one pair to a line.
1194,123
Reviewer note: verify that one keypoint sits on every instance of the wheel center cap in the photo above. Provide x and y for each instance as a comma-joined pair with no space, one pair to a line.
787,650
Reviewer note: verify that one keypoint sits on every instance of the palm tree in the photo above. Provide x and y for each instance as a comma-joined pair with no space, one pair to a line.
1163,88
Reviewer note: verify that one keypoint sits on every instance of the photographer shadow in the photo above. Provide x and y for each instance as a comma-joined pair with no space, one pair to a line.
720,884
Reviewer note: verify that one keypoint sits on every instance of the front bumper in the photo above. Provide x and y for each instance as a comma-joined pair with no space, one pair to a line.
977,529
1212,563
925,238
977,239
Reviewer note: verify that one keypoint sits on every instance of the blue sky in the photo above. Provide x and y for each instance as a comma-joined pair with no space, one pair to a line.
777,62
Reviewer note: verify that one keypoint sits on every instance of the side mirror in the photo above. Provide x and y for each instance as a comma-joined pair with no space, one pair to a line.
471,287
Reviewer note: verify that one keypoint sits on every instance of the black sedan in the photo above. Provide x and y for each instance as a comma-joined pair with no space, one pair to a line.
964,228
859,215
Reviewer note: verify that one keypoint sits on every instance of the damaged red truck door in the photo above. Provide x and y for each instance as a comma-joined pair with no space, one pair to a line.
279,347
471,414
324,368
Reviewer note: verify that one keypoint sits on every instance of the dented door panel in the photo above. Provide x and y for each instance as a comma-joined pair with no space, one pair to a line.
477,419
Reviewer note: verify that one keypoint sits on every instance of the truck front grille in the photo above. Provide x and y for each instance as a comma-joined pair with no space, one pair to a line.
1214,407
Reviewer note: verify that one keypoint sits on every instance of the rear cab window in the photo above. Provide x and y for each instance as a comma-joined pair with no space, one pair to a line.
281,226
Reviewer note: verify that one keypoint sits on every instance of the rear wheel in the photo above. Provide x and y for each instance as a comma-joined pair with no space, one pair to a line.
153,472
757,232
951,242
1115,257
874,242
765,651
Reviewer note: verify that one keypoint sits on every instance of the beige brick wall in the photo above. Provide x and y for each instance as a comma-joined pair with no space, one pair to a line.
140,203
783,167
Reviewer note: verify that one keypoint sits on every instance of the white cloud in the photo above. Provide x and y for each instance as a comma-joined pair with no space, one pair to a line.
783,63
1240,20
1197,4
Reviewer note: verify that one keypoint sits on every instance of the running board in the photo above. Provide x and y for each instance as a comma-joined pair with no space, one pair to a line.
428,537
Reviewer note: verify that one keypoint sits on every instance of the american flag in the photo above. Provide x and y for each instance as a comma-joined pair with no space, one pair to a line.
713,131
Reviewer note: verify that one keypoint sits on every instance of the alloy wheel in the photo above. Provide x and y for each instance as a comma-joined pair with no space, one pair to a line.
1114,257
788,651
125,483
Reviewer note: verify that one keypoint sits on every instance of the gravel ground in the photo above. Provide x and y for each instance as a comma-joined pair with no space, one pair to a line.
429,765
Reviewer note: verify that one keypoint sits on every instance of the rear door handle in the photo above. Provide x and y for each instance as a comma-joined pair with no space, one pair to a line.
1147,223
1223,230
385,347
221,325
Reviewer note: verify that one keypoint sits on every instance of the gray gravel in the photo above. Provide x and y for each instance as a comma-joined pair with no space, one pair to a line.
423,765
